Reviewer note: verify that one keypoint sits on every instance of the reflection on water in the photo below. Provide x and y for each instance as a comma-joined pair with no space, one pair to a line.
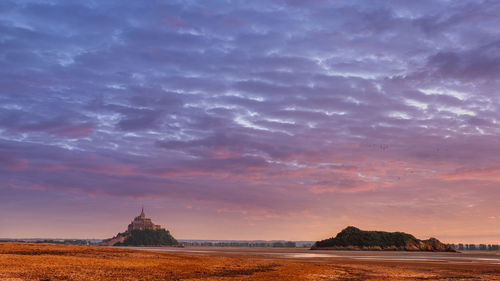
489,258
301,255
403,256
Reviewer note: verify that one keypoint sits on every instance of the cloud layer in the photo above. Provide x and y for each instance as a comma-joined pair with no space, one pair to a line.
326,112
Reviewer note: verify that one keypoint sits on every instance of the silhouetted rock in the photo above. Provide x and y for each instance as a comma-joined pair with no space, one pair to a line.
352,238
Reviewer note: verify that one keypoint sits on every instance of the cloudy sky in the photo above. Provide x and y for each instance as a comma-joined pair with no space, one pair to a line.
275,119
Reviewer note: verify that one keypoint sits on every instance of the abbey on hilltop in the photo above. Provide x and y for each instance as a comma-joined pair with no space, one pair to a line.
142,223
142,232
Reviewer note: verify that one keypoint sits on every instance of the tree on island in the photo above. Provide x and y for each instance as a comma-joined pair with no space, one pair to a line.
149,237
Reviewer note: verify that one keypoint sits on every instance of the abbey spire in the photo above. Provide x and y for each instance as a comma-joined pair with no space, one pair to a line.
142,215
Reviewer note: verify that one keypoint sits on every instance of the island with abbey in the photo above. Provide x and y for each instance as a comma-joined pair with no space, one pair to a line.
142,232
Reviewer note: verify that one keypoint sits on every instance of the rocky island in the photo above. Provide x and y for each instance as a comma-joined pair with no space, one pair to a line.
142,232
352,238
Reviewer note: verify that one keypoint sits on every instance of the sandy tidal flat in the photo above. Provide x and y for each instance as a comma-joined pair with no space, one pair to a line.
25,261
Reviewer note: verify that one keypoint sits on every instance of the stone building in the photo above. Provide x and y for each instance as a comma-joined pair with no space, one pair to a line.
142,223
139,223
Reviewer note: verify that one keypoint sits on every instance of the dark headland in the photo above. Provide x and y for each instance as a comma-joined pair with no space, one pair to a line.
352,238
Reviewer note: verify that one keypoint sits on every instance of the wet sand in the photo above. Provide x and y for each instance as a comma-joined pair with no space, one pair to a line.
30,261
368,265
301,254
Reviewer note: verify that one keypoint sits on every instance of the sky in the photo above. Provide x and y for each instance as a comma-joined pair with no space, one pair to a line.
275,119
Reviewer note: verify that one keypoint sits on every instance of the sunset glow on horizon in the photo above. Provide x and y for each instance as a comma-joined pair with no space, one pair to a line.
280,119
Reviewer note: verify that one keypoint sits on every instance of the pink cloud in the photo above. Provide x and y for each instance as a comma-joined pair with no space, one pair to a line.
484,174
11,163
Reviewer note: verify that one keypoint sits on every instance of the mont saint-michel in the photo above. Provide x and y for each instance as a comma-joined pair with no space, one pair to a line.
142,232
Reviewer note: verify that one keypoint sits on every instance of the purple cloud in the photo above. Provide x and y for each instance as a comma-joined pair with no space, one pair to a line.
268,109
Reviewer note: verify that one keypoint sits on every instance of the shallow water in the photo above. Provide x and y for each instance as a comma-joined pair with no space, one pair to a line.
482,257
